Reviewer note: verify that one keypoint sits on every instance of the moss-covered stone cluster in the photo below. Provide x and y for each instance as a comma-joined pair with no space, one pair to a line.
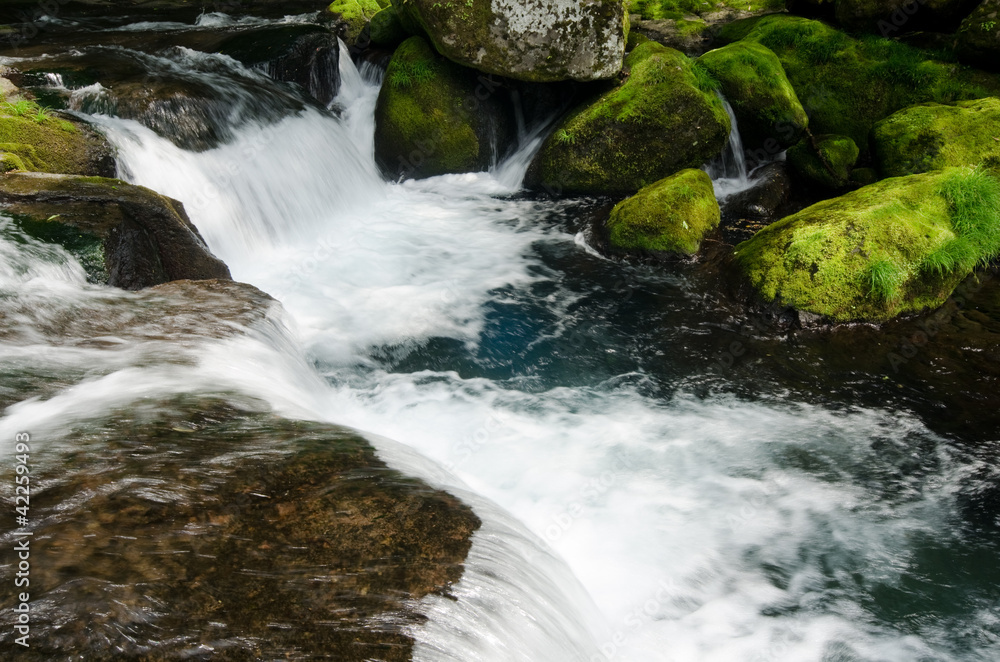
846,84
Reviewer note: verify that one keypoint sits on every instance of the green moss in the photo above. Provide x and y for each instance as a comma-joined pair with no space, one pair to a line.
935,136
671,216
419,115
765,104
386,29
846,85
881,250
659,121
660,9
355,14
10,161
828,164
634,40
41,141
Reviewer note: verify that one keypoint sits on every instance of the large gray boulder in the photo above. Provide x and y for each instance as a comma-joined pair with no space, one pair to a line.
533,40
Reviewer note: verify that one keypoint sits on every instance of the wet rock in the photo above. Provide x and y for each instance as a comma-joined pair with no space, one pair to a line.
747,212
147,239
198,528
525,39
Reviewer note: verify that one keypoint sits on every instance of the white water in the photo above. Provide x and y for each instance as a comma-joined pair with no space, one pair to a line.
729,171
625,527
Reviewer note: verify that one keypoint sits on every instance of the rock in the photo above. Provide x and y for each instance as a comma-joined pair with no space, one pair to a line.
307,55
979,36
825,160
146,239
386,29
665,117
204,524
896,246
354,16
525,39
752,79
671,216
846,85
746,212
934,136
434,117
32,138
690,36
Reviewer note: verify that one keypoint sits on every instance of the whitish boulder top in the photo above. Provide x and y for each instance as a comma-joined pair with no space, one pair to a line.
533,40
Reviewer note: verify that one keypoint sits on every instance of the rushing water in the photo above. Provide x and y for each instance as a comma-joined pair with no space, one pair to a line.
636,505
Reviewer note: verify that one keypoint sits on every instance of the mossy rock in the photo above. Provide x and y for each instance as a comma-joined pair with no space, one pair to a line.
386,29
540,42
934,136
846,85
39,140
354,16
978,38
752,79
429,119
665,117
146,238
828,163
671,216
899,245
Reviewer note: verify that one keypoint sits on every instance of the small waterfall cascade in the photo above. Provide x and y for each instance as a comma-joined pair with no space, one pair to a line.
729,170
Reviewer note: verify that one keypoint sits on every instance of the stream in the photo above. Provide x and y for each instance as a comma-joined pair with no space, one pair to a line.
642,496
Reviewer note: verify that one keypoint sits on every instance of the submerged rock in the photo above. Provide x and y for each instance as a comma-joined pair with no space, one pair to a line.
526,39
753,81
211,525
824,160
935,136
434,117
665,117
671,216
900,245
145,238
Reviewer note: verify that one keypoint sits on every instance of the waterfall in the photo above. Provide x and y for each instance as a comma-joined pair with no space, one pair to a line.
729,170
